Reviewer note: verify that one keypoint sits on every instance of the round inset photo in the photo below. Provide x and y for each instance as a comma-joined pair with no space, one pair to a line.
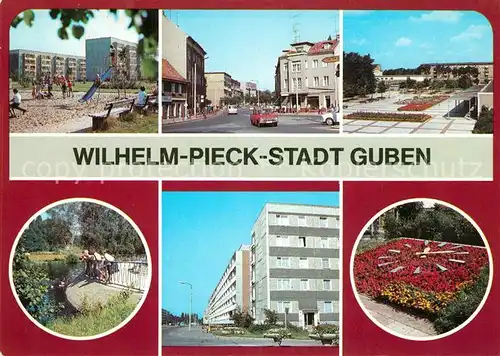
421,269
80,269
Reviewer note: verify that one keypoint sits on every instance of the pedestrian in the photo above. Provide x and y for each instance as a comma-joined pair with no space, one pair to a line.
109,265
15,103
99,265
33,90
63,87
141,96
70,88
85,257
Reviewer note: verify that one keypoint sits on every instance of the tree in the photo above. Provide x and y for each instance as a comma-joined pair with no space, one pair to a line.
242,319
464,81
271,317
484,123
381,88
358,74
74,21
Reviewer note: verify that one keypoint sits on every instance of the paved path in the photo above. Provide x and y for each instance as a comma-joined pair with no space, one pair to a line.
240,123
398,321
94,291
181,336
445,118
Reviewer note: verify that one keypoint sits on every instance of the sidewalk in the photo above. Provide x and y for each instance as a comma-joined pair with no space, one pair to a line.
176,120
312,113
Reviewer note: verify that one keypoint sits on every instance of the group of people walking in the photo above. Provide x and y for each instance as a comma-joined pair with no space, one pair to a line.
98,266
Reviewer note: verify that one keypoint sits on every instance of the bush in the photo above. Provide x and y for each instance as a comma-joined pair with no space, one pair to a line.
242,318
466,303
322,329
294,328
484,123
259,328
72,259
271,317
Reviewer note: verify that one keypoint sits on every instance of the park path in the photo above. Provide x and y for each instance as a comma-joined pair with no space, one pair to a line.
398,321
94,291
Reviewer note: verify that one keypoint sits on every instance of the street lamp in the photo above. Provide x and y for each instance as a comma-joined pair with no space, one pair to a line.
257,89
190,301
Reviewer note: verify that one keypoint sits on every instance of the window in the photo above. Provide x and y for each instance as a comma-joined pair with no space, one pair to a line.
324,64
326,81
285,84
305,64
296,67
285,67
283,284
325,262
282,241
315,63
304,284
282,262
302,221
302,241
328,307
282,220
303,262
307,82
294,84
282,306
299,83
316,81
327,284
324,242
323,222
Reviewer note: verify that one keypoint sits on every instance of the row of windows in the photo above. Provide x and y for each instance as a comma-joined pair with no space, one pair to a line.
286,284
297,82
284,307
297,65
304,262
303,241
285,220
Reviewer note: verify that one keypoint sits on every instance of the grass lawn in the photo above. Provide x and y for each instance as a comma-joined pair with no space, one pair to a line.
133,123
97,319
43,256
369,244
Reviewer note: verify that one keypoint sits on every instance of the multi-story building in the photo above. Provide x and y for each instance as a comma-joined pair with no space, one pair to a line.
71,67
445,70
40,64
249,88
174,46
174,88
295,264
219,87
236,88
97,54
232,291
306,75
195,65
81,70
485,97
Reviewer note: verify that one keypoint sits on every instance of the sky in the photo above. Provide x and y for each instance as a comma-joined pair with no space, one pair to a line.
246,43
42,36
202,230
409,38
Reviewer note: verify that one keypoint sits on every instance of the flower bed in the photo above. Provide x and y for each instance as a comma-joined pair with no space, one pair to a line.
379,116
426,284
421,104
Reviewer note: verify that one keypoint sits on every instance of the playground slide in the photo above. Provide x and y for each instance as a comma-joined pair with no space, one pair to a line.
88,95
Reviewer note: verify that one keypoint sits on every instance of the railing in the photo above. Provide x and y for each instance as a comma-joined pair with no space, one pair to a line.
132,274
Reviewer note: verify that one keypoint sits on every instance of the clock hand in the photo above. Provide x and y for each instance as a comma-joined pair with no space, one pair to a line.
433,252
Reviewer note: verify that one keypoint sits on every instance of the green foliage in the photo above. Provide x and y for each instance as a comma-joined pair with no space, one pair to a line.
484,123
358,75
322,329
259,328
242,319
45,235
437,223
31,282
466,303
271,317
381,87
73,22
72,259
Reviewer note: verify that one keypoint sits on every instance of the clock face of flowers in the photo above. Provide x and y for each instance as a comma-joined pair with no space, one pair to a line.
424,275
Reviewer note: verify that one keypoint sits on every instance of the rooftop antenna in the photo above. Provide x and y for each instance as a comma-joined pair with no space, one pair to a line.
295,29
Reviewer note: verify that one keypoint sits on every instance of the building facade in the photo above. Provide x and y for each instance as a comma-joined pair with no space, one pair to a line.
97,55
445,70
232,291
219,87
485,97
37,64
295,264
306,75
195,65
249,88
174,88
174,45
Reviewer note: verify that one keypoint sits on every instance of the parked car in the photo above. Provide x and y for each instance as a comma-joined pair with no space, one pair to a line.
331,117
232,110
264,116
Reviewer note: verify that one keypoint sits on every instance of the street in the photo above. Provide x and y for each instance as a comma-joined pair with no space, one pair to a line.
240,123
181,336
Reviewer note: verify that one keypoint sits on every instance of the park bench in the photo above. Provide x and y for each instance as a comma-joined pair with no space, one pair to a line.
114,108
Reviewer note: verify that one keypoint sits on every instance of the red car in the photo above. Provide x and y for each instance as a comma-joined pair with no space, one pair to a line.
262,117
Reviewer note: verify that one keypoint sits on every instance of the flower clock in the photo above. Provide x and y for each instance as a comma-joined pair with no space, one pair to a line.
418,274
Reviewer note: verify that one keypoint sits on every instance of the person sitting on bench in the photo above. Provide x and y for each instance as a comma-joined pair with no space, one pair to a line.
15,103
141,97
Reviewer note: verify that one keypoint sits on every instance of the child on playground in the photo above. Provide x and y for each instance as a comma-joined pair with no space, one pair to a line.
15,103
141,96
112,55
63,87
70,88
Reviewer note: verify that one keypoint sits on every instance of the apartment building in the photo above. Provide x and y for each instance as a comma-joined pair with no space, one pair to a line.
38,64
249,88
97,55
219,87
81,69
232,291
195,64
306,75
295,264
445,70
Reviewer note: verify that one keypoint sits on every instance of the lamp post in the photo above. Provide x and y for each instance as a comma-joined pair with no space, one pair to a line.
190,301
286,314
